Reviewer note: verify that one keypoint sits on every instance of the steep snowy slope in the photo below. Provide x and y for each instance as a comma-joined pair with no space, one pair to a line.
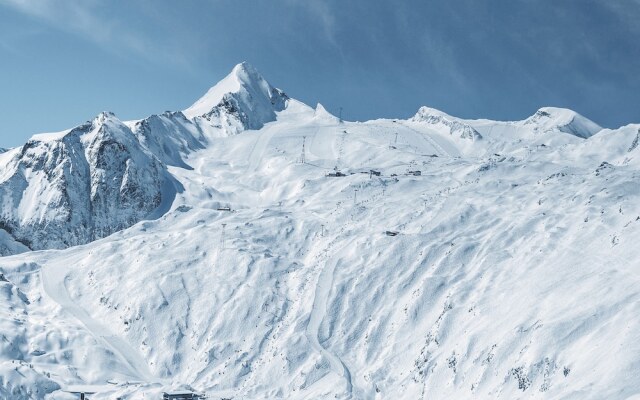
562,120
512,275
64,189
242,100
169,136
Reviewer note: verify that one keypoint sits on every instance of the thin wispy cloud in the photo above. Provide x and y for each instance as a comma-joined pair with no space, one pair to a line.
322,13
627,10
68,15
88,20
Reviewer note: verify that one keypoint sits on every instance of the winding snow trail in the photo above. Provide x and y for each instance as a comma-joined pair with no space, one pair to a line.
318,310
53,283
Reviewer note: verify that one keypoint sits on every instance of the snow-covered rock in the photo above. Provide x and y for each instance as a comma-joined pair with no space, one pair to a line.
169,136
9,246
452,125
70,188
242,100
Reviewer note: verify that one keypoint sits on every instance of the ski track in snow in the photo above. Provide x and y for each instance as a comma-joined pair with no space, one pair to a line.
318,311
425,136
259,148
54,285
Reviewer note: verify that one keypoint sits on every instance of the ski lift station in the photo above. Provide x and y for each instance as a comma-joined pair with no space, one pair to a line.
336,174
180,395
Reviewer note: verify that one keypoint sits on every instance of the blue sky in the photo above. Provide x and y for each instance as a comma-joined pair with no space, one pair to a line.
63,61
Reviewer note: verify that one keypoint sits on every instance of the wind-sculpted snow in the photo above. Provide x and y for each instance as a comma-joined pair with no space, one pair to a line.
431,267
549,119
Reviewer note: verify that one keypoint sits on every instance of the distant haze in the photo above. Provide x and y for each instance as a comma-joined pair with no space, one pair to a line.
62,62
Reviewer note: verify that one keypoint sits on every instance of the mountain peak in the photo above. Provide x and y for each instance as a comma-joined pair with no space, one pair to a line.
104,117
245,86
244,69
564,120
321,112
452,125
425,112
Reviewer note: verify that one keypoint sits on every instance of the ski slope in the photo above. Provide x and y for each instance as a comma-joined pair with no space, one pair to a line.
514,273
53,285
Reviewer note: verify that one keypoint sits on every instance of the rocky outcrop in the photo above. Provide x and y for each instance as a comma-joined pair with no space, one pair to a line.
71,188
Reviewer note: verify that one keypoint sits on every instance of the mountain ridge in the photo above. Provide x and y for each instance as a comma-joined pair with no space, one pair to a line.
244,100
321,258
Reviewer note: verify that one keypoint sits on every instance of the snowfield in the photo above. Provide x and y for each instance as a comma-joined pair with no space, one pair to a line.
202,254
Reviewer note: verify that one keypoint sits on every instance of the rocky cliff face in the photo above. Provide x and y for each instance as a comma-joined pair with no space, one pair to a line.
70,188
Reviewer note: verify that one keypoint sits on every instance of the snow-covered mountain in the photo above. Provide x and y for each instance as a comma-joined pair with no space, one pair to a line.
449,258
65,189
72,187
450,124
242,100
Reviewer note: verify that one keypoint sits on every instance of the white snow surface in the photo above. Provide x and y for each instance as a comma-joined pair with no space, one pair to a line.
245,97
514,273
561,119
232,83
